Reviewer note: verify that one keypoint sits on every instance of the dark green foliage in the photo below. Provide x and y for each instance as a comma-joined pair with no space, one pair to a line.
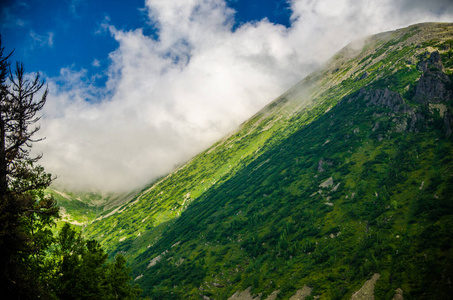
188,275
82,271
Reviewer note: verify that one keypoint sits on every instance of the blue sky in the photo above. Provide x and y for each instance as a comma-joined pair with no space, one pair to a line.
139,87
48,35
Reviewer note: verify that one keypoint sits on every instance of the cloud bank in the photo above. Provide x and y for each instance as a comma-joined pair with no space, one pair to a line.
170,97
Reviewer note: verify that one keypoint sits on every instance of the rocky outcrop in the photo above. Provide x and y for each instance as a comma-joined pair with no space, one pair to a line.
387,98
431,61
433,88
434,85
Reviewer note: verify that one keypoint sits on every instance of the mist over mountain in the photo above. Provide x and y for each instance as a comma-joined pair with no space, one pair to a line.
341,188
171,95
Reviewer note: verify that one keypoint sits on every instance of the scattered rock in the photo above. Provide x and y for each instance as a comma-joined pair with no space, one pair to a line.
320,164
301,294
327,183
138,277
314,194
154,261
217,285
366,292
273,296
179,262
399,294
335,188
244,295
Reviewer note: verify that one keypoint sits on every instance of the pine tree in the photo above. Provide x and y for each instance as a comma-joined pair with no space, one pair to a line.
118,280
82,271
25,214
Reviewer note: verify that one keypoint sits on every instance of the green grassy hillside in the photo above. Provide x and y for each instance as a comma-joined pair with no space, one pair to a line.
346,175
82,208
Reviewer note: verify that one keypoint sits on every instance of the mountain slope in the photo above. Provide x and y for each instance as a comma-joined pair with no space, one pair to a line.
82,208
346,175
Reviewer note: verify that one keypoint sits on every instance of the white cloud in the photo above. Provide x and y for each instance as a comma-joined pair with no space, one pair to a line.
96,63
170,98
42,39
